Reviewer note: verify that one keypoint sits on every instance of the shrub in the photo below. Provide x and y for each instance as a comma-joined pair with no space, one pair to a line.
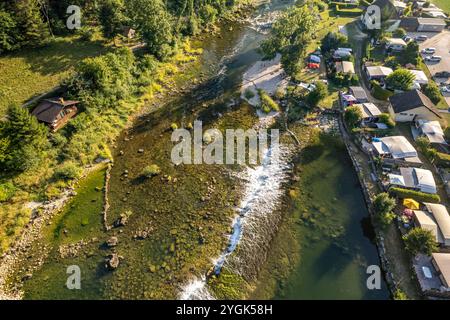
352,117
416,195
319,93
387,120
400,295
399,33
420,240
267,103
443,160
7,191
69,170
151,171
431,90
249,94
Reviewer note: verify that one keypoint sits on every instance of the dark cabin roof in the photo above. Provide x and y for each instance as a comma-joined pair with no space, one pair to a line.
48,109
359,93
409,23
410,100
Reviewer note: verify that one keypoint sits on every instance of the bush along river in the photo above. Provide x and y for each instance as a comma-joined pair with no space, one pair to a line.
212,231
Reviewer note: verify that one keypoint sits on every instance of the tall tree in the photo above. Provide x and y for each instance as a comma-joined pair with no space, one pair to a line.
112,17
24,140
291,36
154,23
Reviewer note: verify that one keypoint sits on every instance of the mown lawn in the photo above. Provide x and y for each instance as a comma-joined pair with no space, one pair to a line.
328,23
31,72
443,4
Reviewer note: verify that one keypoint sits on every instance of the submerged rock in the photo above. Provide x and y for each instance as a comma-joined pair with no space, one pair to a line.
112,242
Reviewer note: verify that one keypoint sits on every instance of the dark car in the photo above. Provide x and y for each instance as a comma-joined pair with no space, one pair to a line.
442,74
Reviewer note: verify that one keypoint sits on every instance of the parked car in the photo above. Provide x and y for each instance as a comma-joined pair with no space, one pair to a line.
407,39
442,74
422,37
433,58
429,50
445,89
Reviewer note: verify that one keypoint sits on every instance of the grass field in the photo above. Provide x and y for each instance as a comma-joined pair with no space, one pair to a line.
31,72
443,4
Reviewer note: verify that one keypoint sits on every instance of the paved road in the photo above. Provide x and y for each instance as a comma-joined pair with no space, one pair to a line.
440,41
358,39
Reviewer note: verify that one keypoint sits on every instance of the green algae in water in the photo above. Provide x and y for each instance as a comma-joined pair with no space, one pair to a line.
326,228
82,220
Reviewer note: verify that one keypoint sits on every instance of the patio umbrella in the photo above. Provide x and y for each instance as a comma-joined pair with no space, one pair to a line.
411,204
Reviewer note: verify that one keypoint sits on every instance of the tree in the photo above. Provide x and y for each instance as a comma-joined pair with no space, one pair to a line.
420,240
112,17
383,206
332,41
291,37
30,22
208,14
154,23
319,93
401,79
9,35
386,119
422,144
352,116
431,90
411,53
22,139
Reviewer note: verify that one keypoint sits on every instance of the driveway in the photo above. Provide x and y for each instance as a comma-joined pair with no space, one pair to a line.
440,41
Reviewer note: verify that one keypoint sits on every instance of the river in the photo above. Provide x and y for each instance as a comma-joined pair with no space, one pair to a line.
191,213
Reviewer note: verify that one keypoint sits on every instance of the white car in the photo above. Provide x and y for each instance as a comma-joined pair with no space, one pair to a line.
445,89
433,58
429,50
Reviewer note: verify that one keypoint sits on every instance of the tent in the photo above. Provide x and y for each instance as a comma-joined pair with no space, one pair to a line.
314,58
411,204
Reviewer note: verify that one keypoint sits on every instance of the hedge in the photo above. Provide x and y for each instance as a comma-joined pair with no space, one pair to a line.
416,195
353,12
343,5
379,93
366,3
443,160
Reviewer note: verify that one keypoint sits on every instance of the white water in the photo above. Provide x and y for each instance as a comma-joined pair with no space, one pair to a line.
262,191
261,196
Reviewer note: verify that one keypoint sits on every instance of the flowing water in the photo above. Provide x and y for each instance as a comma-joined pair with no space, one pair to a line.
226,58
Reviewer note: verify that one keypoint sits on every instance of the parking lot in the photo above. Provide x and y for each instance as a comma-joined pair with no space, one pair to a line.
440,41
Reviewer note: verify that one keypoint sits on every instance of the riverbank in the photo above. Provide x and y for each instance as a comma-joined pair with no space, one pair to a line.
189,74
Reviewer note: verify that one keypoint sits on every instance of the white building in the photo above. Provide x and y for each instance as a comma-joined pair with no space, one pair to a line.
396,147
395,44
415,179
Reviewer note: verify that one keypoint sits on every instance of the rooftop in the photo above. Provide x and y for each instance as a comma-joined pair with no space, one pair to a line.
411,100
440,213
369,110
443,262
377,71
397,146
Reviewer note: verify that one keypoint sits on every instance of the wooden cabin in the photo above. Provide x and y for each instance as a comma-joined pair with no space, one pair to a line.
55,112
